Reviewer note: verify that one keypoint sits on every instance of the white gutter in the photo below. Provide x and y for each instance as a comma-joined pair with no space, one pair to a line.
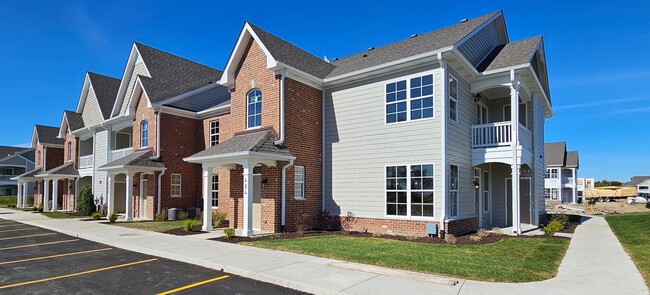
157,137
159,187
323,154
282,135
284,194
44,158
443,142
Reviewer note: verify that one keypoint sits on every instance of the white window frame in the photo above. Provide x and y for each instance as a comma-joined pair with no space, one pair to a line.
142,137
549,172
248,104
457,191
214,192
551,193
486,191
69,151
408,192
179,185
13,171
455,99
214,142
508,113
409,99
299,183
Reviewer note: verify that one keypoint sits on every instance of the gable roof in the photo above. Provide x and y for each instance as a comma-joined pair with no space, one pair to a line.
635,180
572,159
172,75
432,41
510,54
6,151
260,141
66,169
75,120
48,135
105,88
555,153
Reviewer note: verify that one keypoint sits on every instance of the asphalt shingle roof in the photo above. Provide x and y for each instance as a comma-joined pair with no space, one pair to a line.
29,173
428,42
172,75
105,88
572,159
9,150
510,54
136,159
291,55
75,120
48,135
555,153
65,169
261,141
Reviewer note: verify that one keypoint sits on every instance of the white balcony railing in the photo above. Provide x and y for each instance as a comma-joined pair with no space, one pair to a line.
568,180
86,162
498,134
121,153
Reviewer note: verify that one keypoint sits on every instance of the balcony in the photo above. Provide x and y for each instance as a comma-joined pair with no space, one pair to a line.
121,153
86,162
491,143
568,182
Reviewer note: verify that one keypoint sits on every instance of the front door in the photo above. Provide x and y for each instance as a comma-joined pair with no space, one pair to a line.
524,200
257,202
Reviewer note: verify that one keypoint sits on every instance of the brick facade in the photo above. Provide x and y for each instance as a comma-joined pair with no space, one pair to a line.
69,138
413,228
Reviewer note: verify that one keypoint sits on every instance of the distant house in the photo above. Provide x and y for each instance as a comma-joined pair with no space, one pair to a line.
584,184
561,173
636,180
643,189
14,161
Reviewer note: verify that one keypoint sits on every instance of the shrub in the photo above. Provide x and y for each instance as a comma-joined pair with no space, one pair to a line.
497,231
475,238
562,218
40,207
552,227
218,218
348,221
301,220
162,216
112,217
327,221
182,215
190,224
482,233
85,201
450,239
97,216
34,208
229,232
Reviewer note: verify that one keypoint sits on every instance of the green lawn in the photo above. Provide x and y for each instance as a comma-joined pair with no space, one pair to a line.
62,215
510,260
7,200
156,226
633,231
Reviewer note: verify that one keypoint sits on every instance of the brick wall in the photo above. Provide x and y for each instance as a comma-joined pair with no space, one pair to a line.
75,149
225,132
413,228
54,157
142,112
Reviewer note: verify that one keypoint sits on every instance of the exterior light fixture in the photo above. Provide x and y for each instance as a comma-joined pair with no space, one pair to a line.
475,183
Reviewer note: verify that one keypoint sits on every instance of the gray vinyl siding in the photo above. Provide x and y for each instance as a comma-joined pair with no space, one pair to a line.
138,69
91,113
498,181
538,143
359,144
17,160
459,145
101,154
481,44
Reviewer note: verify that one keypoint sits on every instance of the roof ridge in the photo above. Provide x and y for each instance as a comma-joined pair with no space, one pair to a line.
101,75
262,140
174,55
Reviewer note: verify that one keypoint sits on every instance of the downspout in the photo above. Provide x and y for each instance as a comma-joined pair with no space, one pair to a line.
443,143
282,136
284,194
158,114
323,154
44,158
159,187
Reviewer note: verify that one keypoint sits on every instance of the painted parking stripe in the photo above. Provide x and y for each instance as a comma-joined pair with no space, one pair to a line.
19,229
55,256
40,244
193,285
76,274
27,236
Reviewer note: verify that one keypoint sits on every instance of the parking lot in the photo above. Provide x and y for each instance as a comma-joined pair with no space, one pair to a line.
38,261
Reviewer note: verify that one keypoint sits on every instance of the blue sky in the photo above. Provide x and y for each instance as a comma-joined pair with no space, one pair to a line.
596,54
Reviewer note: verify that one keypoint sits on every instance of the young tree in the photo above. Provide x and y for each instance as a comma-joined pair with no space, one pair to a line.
85,201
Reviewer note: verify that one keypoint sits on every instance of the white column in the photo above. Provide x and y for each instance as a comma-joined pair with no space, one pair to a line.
514,114
247,231
207,198
19,195
25,190
46,195
55,194
575,186
109,196
129,197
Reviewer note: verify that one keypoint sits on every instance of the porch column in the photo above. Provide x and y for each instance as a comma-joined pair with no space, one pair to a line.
19,195
25,190
55,194
129,196
247,231
109,196
514,114
575,186
207,198
46,195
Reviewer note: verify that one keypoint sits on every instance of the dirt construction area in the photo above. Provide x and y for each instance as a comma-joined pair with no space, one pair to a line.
621,206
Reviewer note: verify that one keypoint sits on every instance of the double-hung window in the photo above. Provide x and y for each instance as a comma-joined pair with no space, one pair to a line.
453,190
176,185
453,99
69,150
215,191
299,183
144,132
409,190
552,173
409,99
214,132
254,101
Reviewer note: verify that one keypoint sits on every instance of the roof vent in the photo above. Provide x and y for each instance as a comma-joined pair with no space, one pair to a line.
365,55
335,59
413,36
371,48
463,20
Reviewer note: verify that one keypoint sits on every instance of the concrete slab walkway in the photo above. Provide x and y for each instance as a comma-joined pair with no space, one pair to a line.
595,262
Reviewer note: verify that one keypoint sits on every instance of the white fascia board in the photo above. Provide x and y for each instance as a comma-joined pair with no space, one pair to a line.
238,155
84,93
299,75
214,111
483,25
547,102
176,112
34,138
124,83
139,89
51,145
247,32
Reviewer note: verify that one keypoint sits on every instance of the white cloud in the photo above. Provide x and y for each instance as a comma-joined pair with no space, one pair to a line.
597,79
594,103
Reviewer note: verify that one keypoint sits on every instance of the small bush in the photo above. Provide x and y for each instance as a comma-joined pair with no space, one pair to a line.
482,233
34,208
348,221
229,232
190,225
450,239
40,207
162,216
182,215
112,217
218,218
475,238
562,218
85,201
301,220
97,216
327,221
551,228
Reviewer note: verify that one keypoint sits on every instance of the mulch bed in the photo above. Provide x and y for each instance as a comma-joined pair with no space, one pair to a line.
461,240
181,232
570,228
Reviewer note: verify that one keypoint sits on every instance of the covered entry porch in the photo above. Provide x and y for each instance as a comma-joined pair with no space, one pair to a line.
60,187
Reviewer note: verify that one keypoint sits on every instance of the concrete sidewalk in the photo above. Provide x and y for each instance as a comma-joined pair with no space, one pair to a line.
595,262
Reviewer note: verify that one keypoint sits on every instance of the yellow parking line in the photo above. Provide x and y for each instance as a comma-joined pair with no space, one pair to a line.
76,274
193,285
41,244
55,256
19,229
27,236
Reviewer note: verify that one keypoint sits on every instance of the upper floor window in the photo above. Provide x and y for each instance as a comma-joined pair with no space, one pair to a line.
69,150
39,159
254,99
409,99
214,132
299,182
453,99
551,173
7,171
144,134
